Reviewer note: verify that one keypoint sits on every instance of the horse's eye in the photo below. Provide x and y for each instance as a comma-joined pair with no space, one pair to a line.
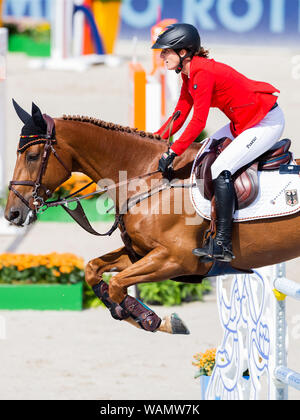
32,157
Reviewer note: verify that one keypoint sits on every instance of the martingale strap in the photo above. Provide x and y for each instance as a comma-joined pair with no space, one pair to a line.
80,217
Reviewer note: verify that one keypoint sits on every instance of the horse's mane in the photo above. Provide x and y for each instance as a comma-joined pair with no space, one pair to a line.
112,126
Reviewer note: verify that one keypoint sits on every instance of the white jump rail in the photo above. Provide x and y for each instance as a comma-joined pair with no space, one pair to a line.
3,51
251,362
285,377
5,228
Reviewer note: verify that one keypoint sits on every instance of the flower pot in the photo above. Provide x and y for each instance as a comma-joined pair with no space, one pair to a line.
41,296
107,16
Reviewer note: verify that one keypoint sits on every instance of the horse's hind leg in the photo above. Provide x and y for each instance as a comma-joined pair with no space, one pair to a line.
117,260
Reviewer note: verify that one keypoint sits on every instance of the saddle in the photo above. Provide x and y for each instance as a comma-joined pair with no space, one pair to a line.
246,179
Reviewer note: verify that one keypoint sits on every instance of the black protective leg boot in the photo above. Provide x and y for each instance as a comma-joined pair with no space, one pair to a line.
220,247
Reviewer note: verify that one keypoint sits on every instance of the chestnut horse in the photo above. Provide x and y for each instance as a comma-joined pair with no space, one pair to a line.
163,240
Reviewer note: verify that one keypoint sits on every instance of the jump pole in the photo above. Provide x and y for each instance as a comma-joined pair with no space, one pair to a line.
283,376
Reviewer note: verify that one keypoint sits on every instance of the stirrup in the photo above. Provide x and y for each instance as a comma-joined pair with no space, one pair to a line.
214,250
222,252
207,250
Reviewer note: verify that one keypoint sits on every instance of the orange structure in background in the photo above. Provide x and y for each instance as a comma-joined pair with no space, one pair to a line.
148,91
138,86
88,46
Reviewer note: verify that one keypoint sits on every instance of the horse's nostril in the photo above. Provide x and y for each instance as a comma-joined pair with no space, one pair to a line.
13,214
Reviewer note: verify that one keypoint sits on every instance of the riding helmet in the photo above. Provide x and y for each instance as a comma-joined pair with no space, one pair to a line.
179,36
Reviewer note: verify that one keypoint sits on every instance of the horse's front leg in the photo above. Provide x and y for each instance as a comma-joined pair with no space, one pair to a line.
156,266
115,261
112,262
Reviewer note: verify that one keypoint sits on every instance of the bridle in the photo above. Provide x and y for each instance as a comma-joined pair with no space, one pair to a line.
37,186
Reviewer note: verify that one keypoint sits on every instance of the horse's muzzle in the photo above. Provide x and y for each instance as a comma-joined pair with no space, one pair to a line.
20,216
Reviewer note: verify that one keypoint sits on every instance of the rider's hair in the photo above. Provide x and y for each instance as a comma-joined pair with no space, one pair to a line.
202,52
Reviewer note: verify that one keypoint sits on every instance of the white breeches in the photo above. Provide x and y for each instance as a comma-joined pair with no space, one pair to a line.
250,144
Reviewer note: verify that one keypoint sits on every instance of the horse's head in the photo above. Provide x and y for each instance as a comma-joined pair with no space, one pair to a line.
39,169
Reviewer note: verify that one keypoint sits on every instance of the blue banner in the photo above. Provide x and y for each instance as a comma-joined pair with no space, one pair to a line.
31,8
237,21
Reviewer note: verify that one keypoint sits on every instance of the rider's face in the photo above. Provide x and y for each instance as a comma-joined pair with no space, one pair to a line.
170,58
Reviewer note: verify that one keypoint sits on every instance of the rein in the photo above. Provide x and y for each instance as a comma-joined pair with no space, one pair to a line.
169,127
67,200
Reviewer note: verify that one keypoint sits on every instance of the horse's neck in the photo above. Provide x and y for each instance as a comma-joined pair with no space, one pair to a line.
101,153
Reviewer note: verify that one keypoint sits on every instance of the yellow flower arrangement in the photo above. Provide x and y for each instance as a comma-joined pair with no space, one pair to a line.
77,181
54,267
205,362
43,27
49,260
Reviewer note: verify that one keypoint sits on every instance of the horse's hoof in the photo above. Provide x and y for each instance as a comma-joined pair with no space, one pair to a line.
178,326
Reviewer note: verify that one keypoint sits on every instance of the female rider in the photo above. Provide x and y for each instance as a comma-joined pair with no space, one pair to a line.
256,121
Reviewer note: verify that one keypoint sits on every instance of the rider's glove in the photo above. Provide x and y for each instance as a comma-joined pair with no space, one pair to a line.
166,161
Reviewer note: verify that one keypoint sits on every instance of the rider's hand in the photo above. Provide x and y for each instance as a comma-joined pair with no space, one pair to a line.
166,161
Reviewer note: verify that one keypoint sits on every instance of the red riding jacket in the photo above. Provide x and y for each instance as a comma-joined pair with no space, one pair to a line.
212,84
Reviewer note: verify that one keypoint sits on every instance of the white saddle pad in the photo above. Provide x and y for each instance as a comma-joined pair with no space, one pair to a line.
278,196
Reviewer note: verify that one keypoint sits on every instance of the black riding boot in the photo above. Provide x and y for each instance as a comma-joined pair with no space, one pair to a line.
220,247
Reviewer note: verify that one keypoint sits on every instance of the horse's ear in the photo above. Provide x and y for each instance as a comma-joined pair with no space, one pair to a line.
22,114
37,117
